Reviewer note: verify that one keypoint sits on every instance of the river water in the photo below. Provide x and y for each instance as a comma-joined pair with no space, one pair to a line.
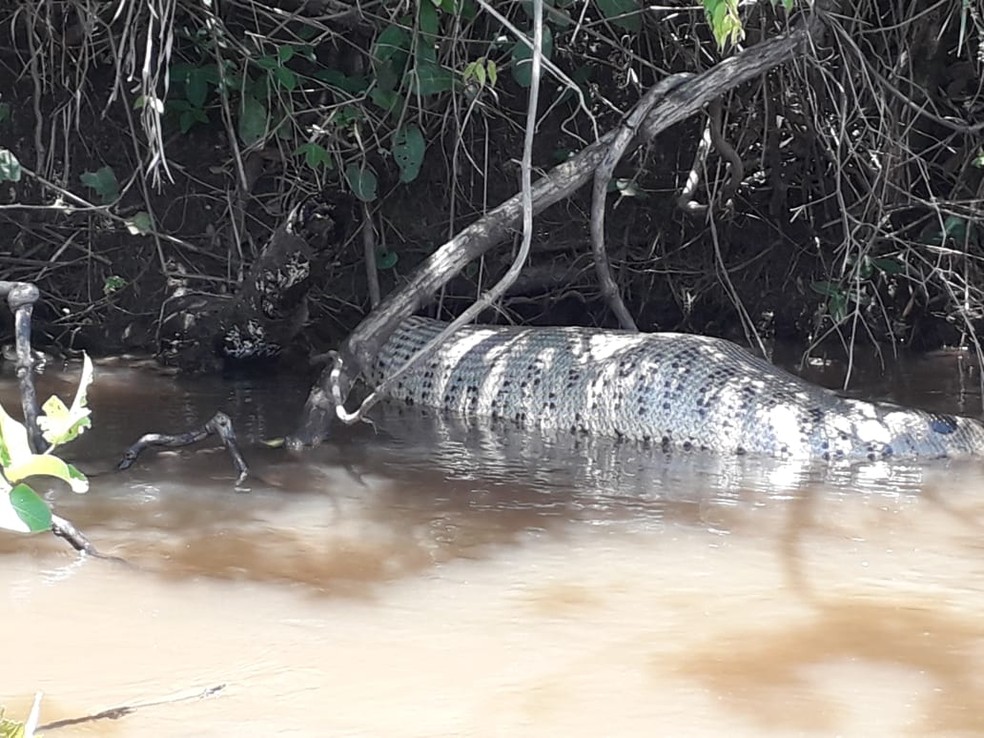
429,578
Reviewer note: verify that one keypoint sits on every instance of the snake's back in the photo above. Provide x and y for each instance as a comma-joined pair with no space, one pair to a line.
669,389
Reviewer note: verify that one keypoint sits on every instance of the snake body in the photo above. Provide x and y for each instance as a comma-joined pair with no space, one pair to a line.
667,389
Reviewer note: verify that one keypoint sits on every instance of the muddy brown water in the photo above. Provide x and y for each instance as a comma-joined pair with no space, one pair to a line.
432,578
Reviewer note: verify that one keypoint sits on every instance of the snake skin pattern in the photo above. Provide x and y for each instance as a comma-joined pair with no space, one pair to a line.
668,389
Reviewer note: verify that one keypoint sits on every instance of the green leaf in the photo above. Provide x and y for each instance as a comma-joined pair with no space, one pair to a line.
14,445
285,53
266,62
315,155
11,728
46,465
113,283
334,78
722,15
190,117
431,78
389,101
392,46
30,509
386,259
837,307
493,71
10,168
140,224
979,160
522,56
103,181
827,289
428,23
60,424
252,121
363,182
196,87
623,13
347,115
408,152
4,112
467,10
888,265
285,78
955,227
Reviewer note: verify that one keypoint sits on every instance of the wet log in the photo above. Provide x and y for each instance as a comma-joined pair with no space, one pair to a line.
202,332
687,99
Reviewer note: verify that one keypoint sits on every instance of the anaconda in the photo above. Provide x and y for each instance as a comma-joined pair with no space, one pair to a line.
667,389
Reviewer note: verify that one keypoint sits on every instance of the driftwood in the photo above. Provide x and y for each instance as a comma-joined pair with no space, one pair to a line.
682,102
204,332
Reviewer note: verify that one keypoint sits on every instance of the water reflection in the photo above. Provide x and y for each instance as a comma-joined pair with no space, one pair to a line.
427,576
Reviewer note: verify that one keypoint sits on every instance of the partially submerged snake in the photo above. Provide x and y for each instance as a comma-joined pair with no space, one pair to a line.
667,389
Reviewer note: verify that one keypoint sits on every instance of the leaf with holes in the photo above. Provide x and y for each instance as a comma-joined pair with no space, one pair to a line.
408,152
386,259
363,182
60,424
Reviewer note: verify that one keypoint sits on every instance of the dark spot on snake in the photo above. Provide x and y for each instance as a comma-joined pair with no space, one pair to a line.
944,424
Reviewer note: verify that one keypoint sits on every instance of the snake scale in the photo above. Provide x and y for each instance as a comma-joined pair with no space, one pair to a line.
667,389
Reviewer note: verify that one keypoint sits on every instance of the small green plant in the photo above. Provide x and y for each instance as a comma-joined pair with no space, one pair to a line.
113,283
104,183
10,168
858,287
21,508
17,729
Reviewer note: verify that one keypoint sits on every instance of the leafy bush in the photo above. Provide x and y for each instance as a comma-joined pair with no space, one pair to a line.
21,508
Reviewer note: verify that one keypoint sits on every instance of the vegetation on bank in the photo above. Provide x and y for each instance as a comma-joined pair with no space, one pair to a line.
157,143
22,510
